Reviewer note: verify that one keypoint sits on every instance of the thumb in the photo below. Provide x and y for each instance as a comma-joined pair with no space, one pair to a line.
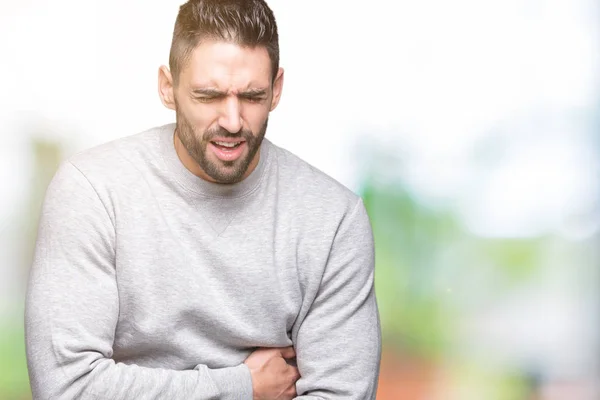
287,352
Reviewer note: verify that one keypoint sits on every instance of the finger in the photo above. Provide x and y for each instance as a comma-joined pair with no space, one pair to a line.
287,352
294,373
291,392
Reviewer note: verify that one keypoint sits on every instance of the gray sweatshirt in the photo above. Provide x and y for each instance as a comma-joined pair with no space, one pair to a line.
151,283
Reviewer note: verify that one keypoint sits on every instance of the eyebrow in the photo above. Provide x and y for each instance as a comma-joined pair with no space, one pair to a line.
218,93
208,92
253,92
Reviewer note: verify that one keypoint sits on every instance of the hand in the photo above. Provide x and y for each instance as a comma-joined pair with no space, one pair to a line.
272,377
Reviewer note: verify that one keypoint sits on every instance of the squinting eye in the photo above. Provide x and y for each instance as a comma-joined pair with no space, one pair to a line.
254,99
205,99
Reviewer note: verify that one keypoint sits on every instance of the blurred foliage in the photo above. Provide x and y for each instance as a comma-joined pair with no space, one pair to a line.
425,260
47,155
469,381
14,380
407,241
518,259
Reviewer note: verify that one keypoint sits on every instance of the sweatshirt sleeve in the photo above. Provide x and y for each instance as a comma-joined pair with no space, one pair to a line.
338,344
72,309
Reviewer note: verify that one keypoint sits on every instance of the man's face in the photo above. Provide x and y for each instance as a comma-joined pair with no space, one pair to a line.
222,101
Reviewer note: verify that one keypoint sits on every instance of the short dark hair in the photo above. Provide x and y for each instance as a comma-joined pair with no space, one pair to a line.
244,22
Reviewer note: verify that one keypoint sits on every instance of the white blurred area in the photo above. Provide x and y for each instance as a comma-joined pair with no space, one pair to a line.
492,106
432,78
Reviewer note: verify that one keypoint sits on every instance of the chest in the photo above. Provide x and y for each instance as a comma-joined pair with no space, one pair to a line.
184,279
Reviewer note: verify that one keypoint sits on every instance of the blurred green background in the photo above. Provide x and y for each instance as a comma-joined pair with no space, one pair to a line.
471,129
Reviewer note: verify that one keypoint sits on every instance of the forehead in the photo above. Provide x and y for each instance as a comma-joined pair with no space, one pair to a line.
227,66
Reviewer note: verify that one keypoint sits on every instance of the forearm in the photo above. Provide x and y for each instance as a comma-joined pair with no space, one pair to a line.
115,381
68,361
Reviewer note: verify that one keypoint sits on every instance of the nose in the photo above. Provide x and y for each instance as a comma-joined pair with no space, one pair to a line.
231,117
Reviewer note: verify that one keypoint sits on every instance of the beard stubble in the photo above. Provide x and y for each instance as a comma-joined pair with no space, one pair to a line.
196,145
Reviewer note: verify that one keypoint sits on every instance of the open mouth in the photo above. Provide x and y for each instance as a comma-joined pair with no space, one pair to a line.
228,151
227,145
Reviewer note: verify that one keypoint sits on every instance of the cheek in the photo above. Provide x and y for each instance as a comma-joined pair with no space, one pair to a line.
255,116
199,116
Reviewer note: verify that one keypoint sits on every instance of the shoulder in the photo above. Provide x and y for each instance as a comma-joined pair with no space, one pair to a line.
119,157
309,185
104,171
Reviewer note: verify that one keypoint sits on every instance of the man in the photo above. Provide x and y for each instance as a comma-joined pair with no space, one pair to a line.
199,260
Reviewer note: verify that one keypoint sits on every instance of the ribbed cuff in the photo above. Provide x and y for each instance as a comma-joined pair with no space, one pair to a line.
233,383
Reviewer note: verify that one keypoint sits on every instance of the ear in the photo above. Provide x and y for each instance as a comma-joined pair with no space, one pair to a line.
277,88
165,87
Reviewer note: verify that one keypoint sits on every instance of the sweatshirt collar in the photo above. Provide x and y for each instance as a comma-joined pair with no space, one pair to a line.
201,186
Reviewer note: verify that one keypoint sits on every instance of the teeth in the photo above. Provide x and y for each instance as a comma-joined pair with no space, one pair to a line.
227,144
